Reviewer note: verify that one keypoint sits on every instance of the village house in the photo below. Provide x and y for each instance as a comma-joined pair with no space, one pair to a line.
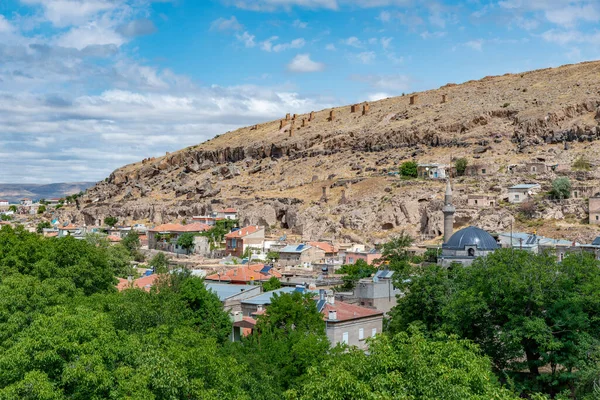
479,170
246,274
206,219
536,167
300,255
75,231
368,256
4,203
481,200
377,292
232,295
329,249
347,323
582,191
164,237
145,283
594,206
522,192
432,171
238,241
53,202
26,202
228,213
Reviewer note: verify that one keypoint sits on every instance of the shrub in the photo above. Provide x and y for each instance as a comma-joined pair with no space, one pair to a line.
408,169
461,166
561,188
582,164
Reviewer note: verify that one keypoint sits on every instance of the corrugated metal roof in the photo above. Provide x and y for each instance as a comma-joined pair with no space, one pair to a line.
525,186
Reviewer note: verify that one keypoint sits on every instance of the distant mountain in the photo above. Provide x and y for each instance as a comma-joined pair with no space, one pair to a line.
14,192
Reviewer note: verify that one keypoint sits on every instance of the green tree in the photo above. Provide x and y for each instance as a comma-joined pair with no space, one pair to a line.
273,255
159,263
408,169
526,311
355,272
461,166
110,221
186,241
272,284
12,208
561,188
431,255
43,225
5,217
405,366
131,241
41,209
289,338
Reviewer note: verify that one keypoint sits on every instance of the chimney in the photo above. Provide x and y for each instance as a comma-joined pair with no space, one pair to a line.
294,117
259,307
312,116
443,98
303,122
332,115
365,109
331,298
287,116
281,124
413,99
354,108
332,315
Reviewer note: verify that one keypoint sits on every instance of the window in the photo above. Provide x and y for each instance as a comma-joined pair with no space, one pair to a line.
483,172
532,169
350,260
361,334
516,197
471,252
475,202
597,217
345,338
233,243
373,332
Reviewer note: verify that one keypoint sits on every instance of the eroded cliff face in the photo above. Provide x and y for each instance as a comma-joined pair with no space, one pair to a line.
329,178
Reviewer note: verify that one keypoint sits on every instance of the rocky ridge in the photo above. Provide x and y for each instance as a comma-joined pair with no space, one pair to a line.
325,175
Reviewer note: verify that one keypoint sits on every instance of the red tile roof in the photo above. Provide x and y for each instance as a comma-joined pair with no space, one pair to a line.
145,283
348,312
114,239
195,227
243,232
326,247
69,227
246,273
229,210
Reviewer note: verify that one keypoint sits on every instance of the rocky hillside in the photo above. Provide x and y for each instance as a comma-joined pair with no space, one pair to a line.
275,172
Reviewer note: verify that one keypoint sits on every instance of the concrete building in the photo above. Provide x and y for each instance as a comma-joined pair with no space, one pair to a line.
238,241
348,323
164,237
594,205
370,257
481,200
480,170
432,171
300,255
228,213
522,192
232,295
4,203
377,292
536,168
582,191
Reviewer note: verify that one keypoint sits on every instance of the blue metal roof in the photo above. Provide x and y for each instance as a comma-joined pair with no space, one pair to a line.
385,274
524,186
265,298
225,291
294,248
471,236
596,241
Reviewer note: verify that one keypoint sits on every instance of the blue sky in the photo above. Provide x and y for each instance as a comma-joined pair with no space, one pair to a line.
87,86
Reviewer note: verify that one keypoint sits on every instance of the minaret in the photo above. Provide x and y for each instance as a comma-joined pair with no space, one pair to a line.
448,211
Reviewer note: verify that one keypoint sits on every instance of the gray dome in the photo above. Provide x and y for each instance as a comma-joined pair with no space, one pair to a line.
471,236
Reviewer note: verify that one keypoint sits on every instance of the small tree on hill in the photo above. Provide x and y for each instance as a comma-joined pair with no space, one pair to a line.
12,208
159,263
110,221
461,166
41,209
408,169
131,241
272,284
43,225
561,188
582,164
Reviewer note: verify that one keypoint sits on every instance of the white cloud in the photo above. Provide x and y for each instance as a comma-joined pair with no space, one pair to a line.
5,26
247,39
273,5
433,35
386,42
378,96
303,63
395,83
330,47
571,36
385,16
475,44
300,24
366,57
94,33
223,24
353,41
268,45
64,13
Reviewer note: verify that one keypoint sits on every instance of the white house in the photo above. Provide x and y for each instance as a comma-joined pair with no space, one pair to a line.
522,192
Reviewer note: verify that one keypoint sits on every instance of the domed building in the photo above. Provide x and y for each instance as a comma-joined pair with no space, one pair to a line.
464,246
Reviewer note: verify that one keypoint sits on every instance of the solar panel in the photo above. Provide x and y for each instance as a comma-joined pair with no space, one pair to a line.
266,269
300,247
321,304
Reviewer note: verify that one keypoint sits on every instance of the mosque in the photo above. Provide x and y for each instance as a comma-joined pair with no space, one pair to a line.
464,246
